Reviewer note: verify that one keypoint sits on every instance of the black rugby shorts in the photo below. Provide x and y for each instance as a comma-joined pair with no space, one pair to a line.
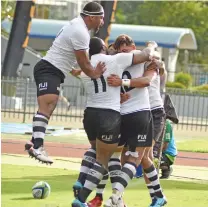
47,78
102,124
136,130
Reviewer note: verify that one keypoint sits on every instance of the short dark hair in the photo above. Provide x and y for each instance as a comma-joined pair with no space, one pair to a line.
92,8
111,45
96,45
123,39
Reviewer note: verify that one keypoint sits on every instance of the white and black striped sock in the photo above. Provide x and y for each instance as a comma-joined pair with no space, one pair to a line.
87,163
151,190
40,123
151,174
125,175
114,168
93,178
101,186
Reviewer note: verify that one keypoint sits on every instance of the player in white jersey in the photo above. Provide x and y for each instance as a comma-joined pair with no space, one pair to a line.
136,131
157,109
158,115
69,48
102,117
114,165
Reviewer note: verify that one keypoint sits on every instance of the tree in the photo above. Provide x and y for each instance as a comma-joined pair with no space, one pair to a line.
7,9
192,15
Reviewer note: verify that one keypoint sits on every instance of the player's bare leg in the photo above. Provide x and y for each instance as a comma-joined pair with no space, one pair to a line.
47,104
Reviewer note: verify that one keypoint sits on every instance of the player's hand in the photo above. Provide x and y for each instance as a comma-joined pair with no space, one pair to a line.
152,65
160,66
151,53
124,97
161,69
114,80
150,50
99,69
155,65
151,44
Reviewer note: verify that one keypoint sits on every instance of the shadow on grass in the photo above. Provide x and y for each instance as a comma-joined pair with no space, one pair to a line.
23,199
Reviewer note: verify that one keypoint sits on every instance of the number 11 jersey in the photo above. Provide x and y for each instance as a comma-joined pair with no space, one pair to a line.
99,93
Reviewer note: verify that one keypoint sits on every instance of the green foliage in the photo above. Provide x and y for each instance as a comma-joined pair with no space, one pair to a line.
187,14
202,89
7,9
184,78
175,85
43,53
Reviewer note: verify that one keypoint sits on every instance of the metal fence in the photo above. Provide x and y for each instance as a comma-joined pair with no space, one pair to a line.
19,102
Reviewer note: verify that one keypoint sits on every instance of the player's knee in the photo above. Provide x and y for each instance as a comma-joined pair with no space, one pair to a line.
47,103
104,152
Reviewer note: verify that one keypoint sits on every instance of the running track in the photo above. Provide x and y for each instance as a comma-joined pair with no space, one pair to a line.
77,151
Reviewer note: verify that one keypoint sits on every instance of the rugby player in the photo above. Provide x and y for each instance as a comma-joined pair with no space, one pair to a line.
102,117
136,131
69,48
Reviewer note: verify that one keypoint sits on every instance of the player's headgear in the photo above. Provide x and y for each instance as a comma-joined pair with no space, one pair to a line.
93,9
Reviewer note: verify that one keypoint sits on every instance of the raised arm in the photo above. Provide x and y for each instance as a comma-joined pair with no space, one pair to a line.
85,65
147,54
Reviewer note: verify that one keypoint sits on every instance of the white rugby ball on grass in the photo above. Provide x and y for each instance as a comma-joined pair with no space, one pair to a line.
41,190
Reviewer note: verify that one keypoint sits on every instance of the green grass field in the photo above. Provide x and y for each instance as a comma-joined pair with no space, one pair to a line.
17,182
193,145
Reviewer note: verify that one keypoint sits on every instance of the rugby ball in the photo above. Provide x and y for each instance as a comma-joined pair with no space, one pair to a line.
41,190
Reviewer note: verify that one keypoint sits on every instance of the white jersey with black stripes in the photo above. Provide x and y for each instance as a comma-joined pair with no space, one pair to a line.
139,97
73,36
99,93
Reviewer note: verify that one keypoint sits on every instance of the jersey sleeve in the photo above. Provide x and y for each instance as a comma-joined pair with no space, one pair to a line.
80,40
168,132
124,60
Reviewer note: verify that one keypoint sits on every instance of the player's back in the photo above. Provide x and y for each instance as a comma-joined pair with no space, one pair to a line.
99,93
139,97
73,36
